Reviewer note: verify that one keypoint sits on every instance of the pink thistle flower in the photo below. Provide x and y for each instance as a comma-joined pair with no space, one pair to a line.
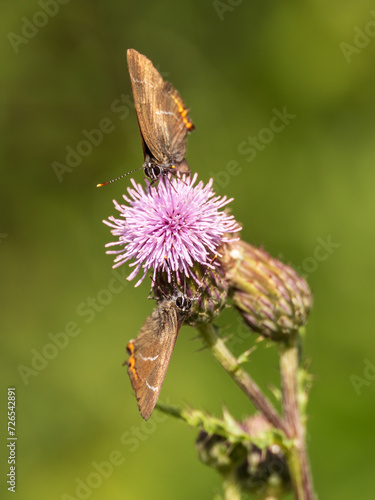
170,226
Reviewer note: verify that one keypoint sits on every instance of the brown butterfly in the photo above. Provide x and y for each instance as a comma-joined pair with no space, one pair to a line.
151,351
162,118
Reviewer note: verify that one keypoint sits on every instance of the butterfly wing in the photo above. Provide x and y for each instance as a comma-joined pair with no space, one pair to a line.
150,353
182,127
162,116
183,167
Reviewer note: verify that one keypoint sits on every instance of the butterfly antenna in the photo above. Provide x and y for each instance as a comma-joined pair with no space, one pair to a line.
171,274
174,282
154,284
203,277
118,178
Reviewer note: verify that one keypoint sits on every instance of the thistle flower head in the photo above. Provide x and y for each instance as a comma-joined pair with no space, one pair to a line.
169,227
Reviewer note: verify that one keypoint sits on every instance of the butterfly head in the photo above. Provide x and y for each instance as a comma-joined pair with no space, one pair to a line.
183,302
152,171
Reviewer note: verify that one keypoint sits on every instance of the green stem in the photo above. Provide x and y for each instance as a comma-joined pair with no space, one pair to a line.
297,455
220,351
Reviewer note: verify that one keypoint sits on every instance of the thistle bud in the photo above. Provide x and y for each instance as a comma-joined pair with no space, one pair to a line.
271,297
217,452
265,471
261,471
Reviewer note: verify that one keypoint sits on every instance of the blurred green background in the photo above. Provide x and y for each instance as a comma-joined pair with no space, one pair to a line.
310,183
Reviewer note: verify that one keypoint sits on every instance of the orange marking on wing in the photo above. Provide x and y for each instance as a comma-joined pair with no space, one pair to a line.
183,112
131,361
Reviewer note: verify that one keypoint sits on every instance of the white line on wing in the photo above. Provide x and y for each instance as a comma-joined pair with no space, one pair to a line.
153,388
149,358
